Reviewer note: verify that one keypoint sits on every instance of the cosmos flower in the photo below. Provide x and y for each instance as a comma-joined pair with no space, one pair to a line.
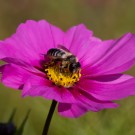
98,82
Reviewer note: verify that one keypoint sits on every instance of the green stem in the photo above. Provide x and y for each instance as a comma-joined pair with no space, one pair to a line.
49,117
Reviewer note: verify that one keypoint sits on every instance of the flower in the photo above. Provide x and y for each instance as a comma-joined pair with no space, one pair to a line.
99,81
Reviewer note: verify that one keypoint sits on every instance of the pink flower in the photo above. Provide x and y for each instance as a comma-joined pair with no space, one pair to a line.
98,82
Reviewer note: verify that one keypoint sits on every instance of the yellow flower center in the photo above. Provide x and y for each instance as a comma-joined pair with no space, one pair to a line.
61,76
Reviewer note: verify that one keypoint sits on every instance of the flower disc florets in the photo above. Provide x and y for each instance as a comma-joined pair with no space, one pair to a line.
62,72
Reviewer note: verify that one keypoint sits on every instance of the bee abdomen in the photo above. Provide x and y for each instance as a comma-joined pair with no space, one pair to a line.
55,52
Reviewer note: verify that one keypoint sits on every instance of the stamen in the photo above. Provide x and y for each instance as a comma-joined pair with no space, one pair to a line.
61,76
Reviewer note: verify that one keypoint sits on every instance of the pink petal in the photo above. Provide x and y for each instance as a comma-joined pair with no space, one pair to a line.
117,57
13,76
85,103
78,37
23,65
78,109
96,50
71,110
31,40
117,87
39,86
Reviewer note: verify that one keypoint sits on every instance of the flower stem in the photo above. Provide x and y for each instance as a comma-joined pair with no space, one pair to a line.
49,117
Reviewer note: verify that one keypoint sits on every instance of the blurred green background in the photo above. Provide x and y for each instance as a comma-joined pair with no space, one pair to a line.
108,19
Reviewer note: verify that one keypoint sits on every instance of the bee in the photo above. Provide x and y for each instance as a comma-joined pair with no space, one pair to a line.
66,60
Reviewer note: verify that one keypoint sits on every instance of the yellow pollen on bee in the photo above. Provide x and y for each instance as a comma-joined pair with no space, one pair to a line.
61,78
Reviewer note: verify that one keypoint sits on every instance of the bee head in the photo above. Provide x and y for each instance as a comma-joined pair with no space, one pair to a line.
74,67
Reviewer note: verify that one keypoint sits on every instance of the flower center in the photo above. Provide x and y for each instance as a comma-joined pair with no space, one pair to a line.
62,72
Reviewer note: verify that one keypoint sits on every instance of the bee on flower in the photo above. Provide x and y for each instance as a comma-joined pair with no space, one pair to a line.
78,70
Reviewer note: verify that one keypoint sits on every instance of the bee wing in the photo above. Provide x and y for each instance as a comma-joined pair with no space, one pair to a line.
63,48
